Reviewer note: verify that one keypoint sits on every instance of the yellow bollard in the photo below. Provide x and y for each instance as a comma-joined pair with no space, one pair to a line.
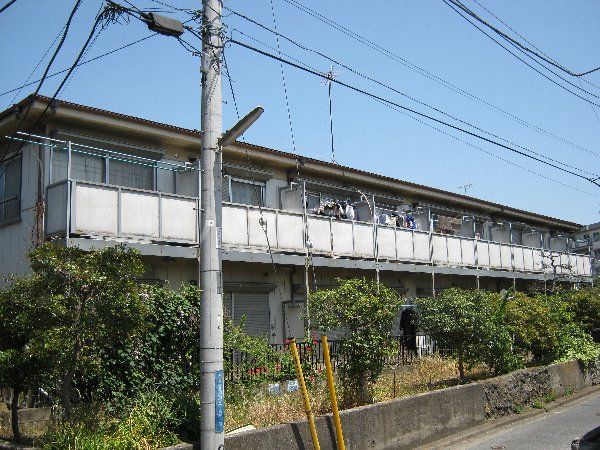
307,408
333,396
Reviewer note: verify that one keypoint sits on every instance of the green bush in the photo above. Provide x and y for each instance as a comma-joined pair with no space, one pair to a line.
585,305
575,343
472,322
366,311
153,421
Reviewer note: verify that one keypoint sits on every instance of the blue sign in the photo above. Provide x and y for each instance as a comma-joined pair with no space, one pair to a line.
219,402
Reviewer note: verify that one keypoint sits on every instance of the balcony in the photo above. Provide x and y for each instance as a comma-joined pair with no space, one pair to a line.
333,238
81,208
102,211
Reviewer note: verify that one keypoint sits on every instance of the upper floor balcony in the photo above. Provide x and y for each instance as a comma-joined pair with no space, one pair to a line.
107,195
103,211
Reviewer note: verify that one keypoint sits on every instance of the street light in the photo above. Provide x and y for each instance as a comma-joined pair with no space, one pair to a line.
240,128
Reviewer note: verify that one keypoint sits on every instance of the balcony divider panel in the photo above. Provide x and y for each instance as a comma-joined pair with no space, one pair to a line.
56,220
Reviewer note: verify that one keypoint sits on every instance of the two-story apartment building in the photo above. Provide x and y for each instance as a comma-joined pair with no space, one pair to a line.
90,178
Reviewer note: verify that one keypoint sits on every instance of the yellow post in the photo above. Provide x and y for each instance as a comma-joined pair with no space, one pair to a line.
307,408
333,396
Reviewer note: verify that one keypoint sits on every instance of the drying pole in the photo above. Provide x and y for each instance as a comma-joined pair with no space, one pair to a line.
212,387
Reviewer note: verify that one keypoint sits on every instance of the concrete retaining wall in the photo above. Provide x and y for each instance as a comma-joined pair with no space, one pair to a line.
32,421
414,421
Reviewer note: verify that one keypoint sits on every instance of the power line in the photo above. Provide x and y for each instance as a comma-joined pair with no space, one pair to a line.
285,91
356,72
38,64
403,61
41,80
450,4
536,61
105,16
405,108
8,5
529,42
537,54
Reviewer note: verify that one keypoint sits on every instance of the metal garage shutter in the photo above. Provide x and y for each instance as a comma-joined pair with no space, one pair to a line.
255,306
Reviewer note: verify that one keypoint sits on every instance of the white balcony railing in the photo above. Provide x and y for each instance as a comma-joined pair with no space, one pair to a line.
102,210
109,211
331,237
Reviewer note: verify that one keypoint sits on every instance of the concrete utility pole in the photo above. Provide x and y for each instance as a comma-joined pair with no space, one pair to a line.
209,276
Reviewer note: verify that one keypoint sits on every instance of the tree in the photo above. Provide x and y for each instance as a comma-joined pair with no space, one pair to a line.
96,300
25,358
585,305
366,311
535,323
161,356
470,321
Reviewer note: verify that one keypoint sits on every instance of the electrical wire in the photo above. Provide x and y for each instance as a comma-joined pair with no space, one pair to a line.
489,153
405,108
529,42
8,5
539,55
536,61
450,4
423,72
54,55
262,220
387,86
38,65
81,63
285,91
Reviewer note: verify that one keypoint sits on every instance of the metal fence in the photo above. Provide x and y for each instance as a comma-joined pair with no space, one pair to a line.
404,350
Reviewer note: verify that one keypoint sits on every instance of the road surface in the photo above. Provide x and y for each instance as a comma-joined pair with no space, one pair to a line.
555,429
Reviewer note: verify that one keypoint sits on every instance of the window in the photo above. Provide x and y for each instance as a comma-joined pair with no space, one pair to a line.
247,192
84,167
10,191
596,236
89,167
135,175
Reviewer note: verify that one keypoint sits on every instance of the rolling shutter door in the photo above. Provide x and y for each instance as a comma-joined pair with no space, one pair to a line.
255,306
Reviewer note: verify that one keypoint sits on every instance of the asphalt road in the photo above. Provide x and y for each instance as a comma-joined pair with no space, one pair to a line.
555,429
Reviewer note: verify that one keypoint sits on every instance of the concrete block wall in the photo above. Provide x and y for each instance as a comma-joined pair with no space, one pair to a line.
415,421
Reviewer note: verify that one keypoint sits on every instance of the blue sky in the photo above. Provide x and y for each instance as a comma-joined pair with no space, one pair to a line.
159,80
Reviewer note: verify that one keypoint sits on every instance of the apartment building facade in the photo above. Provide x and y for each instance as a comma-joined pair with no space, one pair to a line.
91,178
